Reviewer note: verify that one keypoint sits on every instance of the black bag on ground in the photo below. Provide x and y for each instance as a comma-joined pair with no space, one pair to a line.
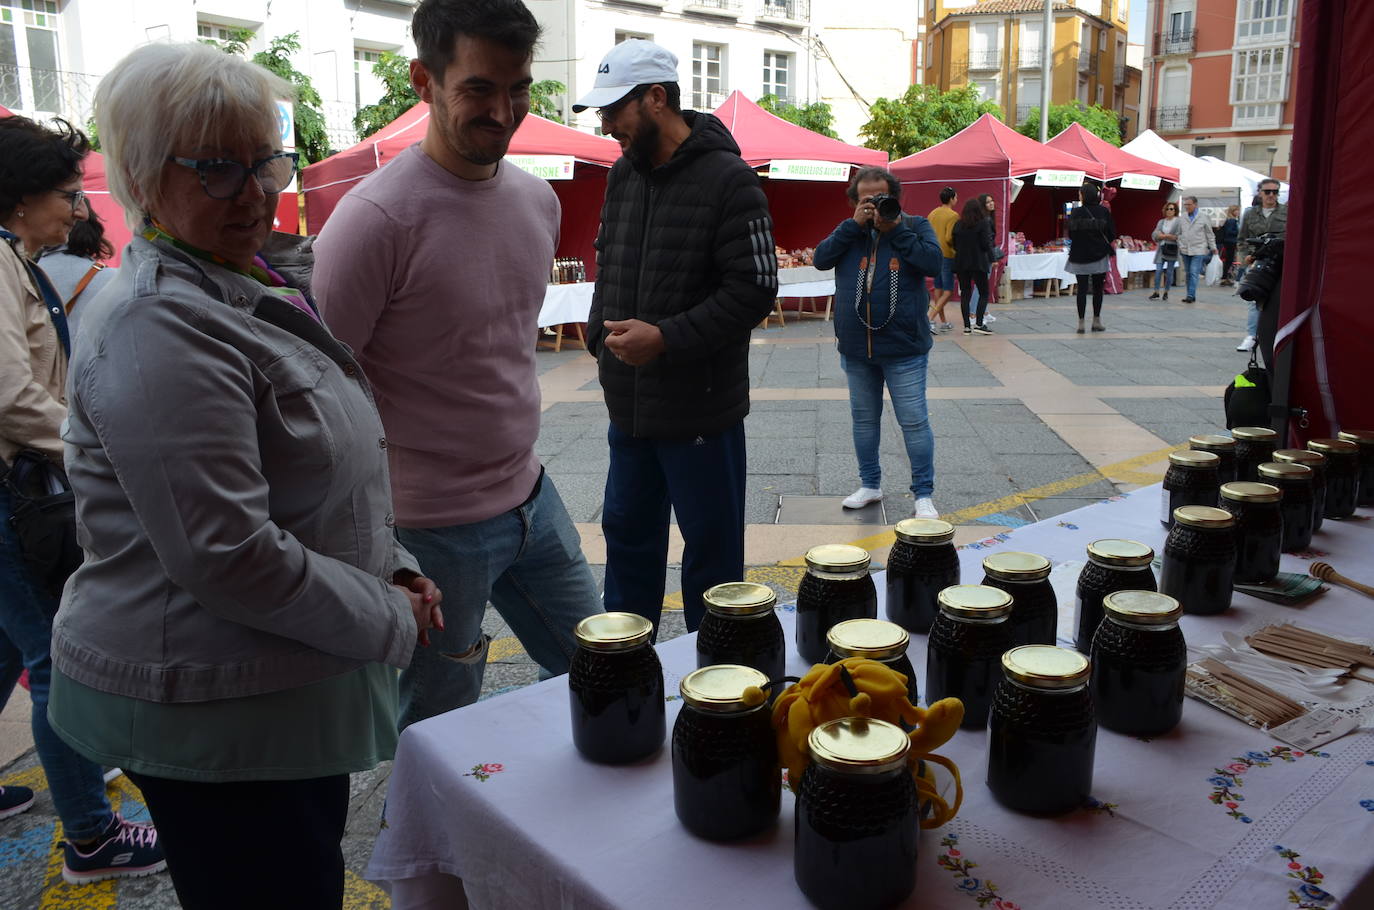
43,515
1247,397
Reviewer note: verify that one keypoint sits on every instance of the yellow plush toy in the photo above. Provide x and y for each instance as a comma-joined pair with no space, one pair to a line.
858,687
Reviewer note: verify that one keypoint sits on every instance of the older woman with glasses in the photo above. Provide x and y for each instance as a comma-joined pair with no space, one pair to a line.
1165,236
230,640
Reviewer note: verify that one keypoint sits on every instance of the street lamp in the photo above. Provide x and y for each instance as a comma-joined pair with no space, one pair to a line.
1272,150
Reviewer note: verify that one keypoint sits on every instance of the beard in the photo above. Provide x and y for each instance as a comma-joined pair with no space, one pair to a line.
643,144
470,140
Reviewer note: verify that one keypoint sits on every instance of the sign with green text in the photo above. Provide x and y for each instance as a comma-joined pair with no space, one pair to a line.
1058,178
550,167
1139,182
798,169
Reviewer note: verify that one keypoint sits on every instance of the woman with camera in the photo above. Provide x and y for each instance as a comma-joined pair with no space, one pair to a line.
1165,236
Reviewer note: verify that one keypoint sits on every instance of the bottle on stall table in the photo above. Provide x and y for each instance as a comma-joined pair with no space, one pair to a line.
1254,446
1200,560
1139,659
874,639
1259,530
1113,565
1317,462
726,777
922,563
1365,440
615,684
1342,475
836,587
1041,732
740,627
966,642
1192,480
857,819
1035,610
1298,504
1224,447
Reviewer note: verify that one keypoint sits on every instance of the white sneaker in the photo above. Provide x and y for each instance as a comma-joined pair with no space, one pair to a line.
1247,345
925,508
862,497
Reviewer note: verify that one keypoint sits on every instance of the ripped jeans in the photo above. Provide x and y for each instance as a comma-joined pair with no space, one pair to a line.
528,564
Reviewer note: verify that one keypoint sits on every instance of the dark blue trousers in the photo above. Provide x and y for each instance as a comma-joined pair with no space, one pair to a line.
702,481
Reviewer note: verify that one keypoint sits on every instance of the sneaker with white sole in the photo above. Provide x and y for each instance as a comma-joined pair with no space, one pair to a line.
14,800
946,327
982,329
862,497
925,508
125,850
1247,345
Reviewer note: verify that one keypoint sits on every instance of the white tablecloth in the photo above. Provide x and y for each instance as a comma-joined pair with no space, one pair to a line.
1039,267
564,303
496,794
805,281
1135,261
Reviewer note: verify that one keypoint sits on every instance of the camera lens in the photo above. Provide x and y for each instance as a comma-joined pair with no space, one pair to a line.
888,207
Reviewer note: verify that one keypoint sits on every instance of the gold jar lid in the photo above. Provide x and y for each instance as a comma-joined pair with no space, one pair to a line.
1333,446
1279,471
1248,491
1204,517
1045,667
979,602
1127,554
1254,434
858,745
1212,442
1142,608
613,631
1359,437
1191,458
724,688
740,598
1017,566
837,557
875,639
927,531
1299,456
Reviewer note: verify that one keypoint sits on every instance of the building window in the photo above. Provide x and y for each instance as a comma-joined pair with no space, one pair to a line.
1216,151
708,75
1180,23
1254,151
622,37
987,89
367,88
30,76
211,31
1259,85
777,75
1101,93
1032,44
1262,22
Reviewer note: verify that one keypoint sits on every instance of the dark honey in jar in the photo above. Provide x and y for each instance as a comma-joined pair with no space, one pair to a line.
836,587
1114,564
1342,475
921,564
1224,447
740,627
1317,462
966,642
874,639
1200,560
1192,480
1254,446
1035,609
615,685
1298,504
1138,663
1259,530
1364,439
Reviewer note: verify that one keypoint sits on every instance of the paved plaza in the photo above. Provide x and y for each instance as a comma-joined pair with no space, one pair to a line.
1030,422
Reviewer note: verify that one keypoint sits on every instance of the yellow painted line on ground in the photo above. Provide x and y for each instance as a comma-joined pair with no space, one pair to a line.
57,894
361,894
32,778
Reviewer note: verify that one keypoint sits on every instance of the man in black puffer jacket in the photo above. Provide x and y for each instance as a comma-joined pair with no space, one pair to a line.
685,270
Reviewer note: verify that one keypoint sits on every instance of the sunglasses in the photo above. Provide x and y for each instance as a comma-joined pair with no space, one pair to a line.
1270,192
77,198
223,179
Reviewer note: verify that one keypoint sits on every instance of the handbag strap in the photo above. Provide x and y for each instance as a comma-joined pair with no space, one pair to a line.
51,301
82,284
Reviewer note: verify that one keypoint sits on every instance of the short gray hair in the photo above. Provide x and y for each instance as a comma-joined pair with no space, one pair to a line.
1192,199
165,95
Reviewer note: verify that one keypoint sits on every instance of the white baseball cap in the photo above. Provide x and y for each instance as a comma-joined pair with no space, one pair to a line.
629,64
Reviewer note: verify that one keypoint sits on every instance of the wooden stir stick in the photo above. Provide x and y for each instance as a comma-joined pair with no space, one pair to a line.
1326,573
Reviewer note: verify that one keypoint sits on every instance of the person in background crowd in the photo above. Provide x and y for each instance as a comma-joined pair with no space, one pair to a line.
230,639
685,269
1226,240
476,508
880,326
1165,236
972,262
78,269
1091,232
1196,244
1265,216
942,220
40,202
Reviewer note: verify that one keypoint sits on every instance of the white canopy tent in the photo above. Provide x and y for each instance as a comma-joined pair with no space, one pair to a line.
1208,180
1253,176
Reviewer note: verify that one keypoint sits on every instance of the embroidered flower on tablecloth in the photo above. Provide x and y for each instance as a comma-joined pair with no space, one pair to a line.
982,890
788,608
1096,805
483,772
987,542
1069,525
1309,895
1367,804
1311,553
1227,781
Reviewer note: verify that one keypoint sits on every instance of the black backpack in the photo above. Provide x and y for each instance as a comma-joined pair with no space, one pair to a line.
1247,397
43,515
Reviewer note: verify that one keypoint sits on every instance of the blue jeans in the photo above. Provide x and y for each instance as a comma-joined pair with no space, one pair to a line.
1193,266
528,563
1165,269
701,480
1252,320
26,612
906,383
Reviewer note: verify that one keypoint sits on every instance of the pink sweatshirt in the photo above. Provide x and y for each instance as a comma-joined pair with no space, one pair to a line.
436,282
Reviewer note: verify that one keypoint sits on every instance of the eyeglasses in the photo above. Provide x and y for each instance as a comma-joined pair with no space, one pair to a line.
1270,192
77,198
224,179
611,111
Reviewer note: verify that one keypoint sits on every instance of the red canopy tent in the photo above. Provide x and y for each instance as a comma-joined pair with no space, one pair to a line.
804,211
1135,211
325,182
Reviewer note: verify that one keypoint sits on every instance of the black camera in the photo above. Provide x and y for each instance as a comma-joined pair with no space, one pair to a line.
1263,276
889,207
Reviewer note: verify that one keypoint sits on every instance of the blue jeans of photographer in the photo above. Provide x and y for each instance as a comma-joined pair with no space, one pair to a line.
905,379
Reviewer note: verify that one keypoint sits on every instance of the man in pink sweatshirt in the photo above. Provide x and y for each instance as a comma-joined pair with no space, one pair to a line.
434,269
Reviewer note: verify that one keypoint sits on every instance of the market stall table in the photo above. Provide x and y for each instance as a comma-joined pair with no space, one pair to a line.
806,282
1216,814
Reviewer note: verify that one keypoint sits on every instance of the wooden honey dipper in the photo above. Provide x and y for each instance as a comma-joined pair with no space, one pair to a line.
1326,573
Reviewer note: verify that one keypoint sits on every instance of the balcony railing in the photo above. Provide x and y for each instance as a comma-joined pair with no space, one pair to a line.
784,11
1030,59
985,60
1024,110
708,101
1172,119
1087,61
731,8
1119,74
44,93
1181,41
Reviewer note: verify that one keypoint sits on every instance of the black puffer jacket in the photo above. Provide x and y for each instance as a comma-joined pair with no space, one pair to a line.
688,247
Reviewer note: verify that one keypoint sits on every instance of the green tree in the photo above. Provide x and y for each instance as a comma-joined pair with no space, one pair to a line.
541,99
394,72
923,117
312,142
1097,120
237,42
816,116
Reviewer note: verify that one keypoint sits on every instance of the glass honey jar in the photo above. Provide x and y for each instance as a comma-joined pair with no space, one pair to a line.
1364,439
1317,462
1138,662
1259,530
1254,446
1342,475
1298,504
1035,609
615,684
921,564
1113,565
836,587
1200,560
874,639
1192,480
740,627
966,642
1224,447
